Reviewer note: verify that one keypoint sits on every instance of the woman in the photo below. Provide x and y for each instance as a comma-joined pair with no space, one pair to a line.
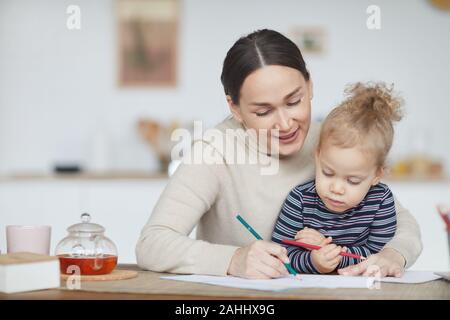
269,90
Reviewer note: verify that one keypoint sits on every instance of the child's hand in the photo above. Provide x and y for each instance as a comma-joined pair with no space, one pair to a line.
327,258
312,236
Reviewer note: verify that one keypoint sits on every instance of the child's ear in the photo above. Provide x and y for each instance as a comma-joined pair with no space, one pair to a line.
379,176
234,109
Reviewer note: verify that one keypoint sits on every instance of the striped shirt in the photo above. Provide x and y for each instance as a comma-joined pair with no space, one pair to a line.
364,229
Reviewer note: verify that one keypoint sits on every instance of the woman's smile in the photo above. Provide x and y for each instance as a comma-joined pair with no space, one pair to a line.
290,137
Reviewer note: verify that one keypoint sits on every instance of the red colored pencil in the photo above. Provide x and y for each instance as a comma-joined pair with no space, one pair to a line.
444,212
314,247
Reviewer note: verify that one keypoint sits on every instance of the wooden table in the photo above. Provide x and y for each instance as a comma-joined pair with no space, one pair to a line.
438,289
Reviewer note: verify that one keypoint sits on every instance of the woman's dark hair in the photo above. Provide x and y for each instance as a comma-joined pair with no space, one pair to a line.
254,51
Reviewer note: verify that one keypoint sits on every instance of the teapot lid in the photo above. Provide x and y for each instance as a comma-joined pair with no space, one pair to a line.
86,226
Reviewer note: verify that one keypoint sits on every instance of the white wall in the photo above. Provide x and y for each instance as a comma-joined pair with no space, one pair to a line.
56,84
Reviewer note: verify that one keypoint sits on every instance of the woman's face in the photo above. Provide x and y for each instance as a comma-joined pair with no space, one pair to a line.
276,97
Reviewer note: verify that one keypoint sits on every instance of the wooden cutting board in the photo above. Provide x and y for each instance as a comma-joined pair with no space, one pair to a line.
113,276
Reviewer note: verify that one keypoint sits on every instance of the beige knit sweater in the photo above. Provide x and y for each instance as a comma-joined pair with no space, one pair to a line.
209,196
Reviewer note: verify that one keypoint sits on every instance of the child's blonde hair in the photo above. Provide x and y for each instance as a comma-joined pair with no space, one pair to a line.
364,119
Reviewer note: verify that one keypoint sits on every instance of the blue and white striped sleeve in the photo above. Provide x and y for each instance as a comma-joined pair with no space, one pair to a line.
382,230
289,222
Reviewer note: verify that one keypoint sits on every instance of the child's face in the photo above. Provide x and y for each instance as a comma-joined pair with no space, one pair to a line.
344,176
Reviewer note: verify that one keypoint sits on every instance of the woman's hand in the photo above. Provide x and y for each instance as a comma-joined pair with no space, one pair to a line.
312,236
387,262
259,260
326,259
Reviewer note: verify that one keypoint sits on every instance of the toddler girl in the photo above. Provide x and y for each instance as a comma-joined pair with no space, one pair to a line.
345,208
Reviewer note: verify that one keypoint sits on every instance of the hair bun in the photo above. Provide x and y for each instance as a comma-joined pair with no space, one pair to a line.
376,97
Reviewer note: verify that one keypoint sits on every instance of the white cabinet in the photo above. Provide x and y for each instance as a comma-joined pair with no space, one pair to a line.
421,200
124,206
37,203
121,206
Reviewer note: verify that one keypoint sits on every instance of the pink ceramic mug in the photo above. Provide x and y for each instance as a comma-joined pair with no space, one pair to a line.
34,239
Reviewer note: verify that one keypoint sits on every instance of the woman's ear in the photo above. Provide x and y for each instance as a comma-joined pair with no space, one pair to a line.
234,109
311,88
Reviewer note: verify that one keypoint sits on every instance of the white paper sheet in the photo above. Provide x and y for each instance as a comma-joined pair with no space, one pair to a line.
413,277
305,281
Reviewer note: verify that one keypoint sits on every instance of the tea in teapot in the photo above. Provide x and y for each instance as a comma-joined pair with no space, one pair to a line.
87,249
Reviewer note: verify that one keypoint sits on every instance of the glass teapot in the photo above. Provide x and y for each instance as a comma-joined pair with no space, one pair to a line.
86,251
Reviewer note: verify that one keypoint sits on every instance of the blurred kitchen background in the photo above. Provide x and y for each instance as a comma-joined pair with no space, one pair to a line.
86,113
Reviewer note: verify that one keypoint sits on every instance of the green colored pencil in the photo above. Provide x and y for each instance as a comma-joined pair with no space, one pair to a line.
257,236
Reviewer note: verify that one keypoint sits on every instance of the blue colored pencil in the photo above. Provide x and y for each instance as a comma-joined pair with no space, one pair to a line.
257,236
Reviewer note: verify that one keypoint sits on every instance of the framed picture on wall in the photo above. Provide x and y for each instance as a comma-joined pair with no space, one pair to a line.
147,42
311,40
